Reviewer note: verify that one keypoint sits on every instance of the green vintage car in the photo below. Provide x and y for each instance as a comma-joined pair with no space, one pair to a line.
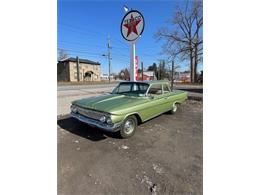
129,104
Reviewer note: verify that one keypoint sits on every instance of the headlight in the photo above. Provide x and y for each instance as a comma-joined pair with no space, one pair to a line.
73,108
102,119
109,121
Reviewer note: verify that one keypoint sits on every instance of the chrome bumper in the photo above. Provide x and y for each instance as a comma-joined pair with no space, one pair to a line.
111,128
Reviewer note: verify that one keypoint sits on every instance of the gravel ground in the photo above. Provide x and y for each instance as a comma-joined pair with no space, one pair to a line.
164,156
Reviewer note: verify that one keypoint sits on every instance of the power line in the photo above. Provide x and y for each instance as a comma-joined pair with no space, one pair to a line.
114,38
92,46
118,53
84,34
74,52
63,44
86,30
80,51
81,44
83,30
87,44
77,30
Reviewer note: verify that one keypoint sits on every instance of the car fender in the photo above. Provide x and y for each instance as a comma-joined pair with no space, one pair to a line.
139,118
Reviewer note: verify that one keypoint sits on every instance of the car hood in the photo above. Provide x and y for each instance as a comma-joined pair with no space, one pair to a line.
111,103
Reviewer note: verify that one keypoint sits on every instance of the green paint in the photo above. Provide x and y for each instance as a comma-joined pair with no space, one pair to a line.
122,105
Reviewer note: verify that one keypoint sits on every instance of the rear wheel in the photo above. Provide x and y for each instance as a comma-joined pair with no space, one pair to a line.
128,127
174,108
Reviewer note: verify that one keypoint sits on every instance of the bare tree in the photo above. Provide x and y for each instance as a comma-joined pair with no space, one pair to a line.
62,54
185,40
124,74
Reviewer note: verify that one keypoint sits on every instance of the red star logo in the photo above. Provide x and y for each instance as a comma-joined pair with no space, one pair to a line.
131,26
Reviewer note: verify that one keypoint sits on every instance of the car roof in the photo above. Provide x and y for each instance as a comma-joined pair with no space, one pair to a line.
148,82
158,82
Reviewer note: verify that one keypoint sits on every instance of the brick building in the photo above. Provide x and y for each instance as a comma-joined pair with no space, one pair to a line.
88,70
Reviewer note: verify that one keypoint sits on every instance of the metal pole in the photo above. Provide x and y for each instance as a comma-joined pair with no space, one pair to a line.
172,74
142,70
163,68
109,59
159,71
132,62
77,68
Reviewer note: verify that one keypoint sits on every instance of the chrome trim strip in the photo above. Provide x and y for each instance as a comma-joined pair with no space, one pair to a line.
106,127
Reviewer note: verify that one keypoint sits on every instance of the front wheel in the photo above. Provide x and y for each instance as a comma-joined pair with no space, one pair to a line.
128,127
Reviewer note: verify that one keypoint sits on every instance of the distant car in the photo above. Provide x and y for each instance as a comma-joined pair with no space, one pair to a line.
129,104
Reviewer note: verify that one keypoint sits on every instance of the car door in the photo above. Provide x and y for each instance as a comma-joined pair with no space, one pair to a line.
154,106
167,97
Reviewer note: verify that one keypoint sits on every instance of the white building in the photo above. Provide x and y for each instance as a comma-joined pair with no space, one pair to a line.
104,77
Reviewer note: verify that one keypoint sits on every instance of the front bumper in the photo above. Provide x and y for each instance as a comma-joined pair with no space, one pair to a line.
111,128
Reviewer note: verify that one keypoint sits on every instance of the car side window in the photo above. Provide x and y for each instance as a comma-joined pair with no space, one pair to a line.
166,88
155,90
143,88
124,88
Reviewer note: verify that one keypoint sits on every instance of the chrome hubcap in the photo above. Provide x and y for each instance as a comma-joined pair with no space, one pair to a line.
129,126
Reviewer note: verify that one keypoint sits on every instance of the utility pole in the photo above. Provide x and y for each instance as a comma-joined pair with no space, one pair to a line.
142,64
159,70
108,55
172,74
109,58
163,69
77,58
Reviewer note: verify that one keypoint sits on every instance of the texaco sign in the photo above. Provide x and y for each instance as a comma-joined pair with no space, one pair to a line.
132,25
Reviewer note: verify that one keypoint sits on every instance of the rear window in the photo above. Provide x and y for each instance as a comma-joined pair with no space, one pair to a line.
166,88
155,89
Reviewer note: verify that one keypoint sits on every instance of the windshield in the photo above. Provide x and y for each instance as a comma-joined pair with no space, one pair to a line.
136,89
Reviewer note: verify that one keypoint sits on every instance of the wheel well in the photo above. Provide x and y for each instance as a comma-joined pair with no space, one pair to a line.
139,120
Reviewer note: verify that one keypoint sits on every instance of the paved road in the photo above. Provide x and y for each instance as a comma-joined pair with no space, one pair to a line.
66,95
165,155
97,86
80,87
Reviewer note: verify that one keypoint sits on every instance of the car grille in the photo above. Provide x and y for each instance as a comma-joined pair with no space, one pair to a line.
90,113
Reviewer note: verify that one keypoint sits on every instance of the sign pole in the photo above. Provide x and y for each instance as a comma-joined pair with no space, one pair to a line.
142,71
132,62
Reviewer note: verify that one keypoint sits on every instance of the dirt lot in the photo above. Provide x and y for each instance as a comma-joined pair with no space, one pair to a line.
163,157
